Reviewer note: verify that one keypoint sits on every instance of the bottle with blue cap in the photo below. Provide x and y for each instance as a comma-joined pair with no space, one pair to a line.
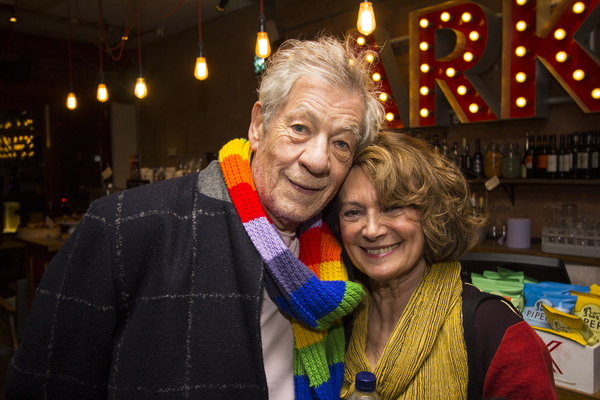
365,386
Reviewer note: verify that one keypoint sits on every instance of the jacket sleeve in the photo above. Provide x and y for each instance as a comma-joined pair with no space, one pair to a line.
67,345
521,367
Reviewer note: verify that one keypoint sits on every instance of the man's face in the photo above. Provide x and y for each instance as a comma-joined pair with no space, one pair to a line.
307,152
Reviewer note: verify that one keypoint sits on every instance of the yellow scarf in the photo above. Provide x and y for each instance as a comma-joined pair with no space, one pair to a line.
426,355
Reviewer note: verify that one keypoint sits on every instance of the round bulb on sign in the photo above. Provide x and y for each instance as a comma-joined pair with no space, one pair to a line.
383,97
596,93
424,68
361,40
521,102
445,17
468,56
473,108
462,90
451,72
560,34
521,26
424,90
424,23
424,46
466,17
562,56
390,117
578,75
370,57
521,51
521,2
424,113
521,77
579,7
376,76
474,36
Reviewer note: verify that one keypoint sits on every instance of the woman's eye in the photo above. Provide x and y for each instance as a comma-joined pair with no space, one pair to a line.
394,209
350,213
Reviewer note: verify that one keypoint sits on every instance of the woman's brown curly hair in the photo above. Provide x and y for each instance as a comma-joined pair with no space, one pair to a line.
407,173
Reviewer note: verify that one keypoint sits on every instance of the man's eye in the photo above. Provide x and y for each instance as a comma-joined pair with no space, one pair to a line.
342,145
299,128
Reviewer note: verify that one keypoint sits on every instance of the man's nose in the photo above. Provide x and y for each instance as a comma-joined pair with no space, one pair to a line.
315,156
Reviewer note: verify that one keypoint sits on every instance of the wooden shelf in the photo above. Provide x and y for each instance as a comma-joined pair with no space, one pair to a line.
492,246
509,184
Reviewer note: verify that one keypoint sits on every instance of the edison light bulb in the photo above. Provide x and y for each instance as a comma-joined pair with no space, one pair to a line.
263,47
102,94
366,18
71,101
201,70
140,88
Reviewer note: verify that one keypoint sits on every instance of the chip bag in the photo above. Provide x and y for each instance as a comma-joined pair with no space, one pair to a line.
564,323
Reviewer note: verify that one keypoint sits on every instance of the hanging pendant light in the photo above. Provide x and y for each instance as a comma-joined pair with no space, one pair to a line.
200,69
71,99
263,47
140,85
102,93
366,18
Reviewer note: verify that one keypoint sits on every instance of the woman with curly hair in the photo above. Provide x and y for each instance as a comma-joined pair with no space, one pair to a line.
405,220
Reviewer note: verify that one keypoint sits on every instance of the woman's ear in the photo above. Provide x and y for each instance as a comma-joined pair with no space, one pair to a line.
256,126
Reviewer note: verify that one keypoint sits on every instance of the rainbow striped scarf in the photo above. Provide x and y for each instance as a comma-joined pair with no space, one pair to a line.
314,290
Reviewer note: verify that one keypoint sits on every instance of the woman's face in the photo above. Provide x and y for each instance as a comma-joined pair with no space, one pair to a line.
385,244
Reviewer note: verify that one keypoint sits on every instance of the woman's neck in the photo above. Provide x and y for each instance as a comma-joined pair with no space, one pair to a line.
388,301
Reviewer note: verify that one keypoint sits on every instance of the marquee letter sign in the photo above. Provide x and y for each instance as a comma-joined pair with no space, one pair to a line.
443,66
534,37
454,42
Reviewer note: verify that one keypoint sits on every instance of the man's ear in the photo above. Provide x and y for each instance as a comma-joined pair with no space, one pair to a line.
256,125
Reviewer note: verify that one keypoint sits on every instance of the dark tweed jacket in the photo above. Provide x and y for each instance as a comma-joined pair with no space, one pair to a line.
156,295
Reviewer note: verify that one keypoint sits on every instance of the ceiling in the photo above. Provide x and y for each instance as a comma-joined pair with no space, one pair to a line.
159,18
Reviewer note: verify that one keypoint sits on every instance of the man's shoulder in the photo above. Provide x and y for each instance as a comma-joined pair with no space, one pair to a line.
176,195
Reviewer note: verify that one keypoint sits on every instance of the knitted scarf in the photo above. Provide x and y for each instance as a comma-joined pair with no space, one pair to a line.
426,355
313,290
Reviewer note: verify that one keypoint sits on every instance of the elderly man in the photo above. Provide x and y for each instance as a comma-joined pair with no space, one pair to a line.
220,285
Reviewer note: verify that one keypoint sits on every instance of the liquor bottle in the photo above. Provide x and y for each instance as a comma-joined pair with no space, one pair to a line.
542,157
454,157
477,161
552,159
587,168
582,157
529,156
563,159
365,385
445,149
595,173
465,159
436,144
569,151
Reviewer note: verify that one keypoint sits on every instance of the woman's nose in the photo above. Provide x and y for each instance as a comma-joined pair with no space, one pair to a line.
374,228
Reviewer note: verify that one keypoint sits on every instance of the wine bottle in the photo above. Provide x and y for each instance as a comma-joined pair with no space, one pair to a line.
563,159
477,161
465,159
530,156
552,159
